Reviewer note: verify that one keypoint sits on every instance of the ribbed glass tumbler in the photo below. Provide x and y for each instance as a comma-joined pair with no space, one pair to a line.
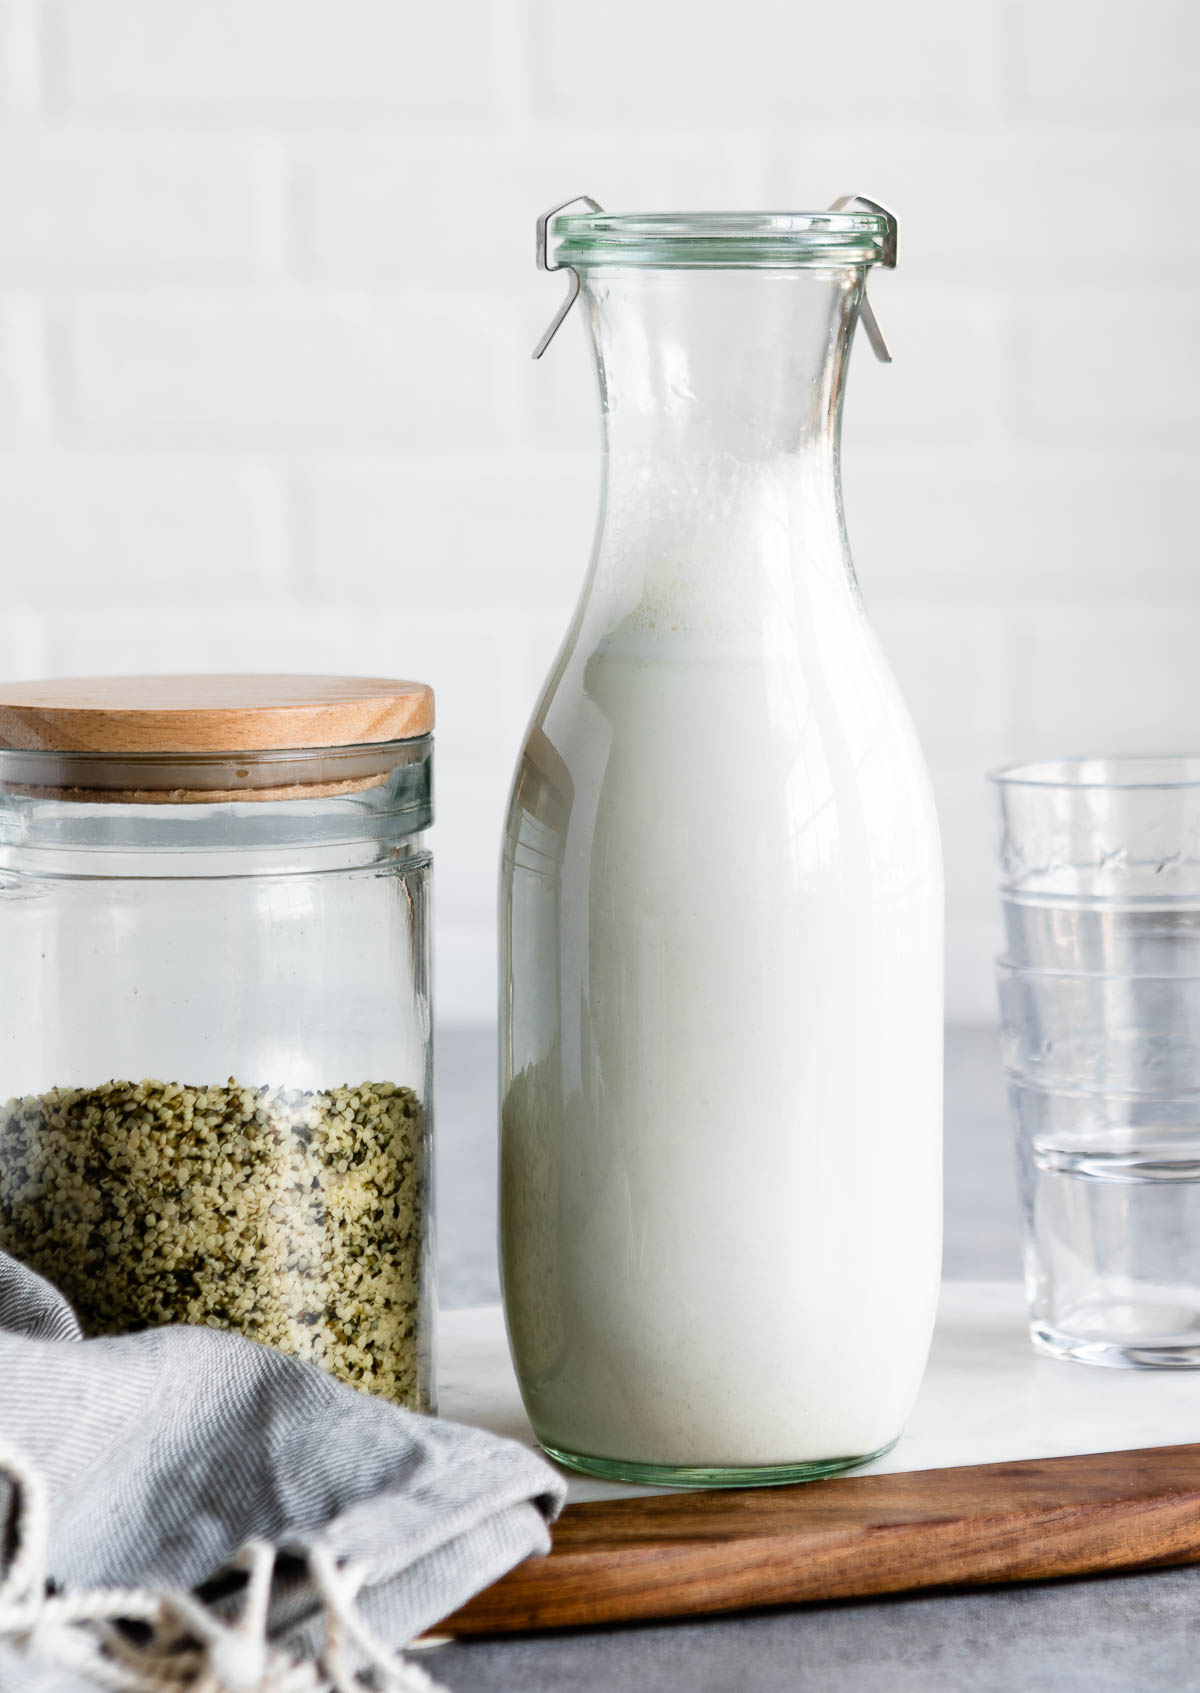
1100,1027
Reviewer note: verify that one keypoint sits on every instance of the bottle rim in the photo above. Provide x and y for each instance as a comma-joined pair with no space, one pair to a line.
712,240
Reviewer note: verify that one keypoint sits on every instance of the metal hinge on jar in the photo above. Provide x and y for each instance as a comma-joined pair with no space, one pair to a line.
887,259
543,263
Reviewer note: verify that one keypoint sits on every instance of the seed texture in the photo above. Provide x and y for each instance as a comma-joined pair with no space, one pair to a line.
294,1216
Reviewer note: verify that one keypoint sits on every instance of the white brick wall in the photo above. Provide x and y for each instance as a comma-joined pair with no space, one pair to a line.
282,368
24,371
164,532
267,297
1113,370
1120,58
926,59
243,56
516,526
81,205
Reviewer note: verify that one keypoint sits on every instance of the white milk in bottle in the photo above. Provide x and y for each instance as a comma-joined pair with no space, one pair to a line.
721,917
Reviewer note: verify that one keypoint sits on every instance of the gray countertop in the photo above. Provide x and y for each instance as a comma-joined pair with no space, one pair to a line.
1116,1632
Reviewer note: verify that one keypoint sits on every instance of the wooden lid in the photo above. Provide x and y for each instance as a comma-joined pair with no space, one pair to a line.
193,714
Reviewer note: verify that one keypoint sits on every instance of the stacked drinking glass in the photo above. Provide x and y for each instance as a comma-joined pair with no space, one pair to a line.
1100,1025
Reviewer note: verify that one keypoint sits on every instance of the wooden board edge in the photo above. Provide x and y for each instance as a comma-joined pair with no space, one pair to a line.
1044,1519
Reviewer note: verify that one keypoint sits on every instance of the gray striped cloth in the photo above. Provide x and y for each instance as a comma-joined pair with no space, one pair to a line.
165,1451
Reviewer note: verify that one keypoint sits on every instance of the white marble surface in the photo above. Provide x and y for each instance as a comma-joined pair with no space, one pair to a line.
987,1395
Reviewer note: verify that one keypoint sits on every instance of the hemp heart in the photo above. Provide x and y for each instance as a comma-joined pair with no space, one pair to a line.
293,1216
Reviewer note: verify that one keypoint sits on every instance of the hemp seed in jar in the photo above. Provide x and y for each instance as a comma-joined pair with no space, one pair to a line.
222,870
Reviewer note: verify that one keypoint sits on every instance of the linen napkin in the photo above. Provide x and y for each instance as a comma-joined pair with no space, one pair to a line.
338,1526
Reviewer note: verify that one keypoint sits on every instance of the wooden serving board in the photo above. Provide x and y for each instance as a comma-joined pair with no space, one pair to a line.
685,1554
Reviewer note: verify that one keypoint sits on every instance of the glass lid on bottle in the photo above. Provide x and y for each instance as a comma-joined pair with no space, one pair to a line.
198,739
846,235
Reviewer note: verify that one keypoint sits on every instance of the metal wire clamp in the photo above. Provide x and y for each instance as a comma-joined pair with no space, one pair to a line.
543,263
887,259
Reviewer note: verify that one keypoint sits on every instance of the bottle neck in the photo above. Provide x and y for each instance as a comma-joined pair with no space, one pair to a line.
746,362
722,400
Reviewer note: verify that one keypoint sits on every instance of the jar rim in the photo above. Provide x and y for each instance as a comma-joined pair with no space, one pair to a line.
709,240
207,778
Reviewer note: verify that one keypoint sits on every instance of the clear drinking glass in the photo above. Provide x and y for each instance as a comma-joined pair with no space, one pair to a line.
721,906
1100,1028
215,1046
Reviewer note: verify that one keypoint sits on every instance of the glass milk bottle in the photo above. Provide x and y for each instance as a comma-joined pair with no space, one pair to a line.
721,899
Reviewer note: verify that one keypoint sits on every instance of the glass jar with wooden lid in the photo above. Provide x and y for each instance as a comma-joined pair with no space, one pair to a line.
215,1015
